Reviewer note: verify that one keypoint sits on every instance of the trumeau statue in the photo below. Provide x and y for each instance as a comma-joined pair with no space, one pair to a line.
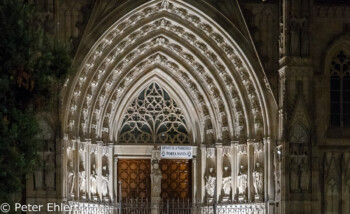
226,181
242,181
258,179
93,180
70,178
105,181
210,183
156,178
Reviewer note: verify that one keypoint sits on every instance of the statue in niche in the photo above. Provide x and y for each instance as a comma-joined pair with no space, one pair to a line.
304,175
294,176
156,179
210,183
70,178
82,178
258,180
242,182
105,181
93,180
50,170
226,181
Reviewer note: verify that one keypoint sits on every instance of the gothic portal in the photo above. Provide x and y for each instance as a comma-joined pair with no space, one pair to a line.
256,92
166,73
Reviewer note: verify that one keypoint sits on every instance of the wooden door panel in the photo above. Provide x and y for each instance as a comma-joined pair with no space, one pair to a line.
176,179
135,177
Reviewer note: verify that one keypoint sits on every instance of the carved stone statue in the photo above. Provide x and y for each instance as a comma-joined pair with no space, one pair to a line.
165,4
156,179
242,183
258,181
210,183
294,176
226,181
82,179
70,178
93,181
304,175
105,181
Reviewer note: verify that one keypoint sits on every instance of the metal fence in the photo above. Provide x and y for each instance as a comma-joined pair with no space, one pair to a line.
137,206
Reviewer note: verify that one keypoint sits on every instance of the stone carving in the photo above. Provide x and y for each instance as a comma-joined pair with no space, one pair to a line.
82,179
226,183
242,184
120,28
70,178
258,181
105,182
165,4
304,175
167,125
210,152
210,182
93,181
156,178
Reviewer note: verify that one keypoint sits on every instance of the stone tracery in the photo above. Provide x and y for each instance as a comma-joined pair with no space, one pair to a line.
154,117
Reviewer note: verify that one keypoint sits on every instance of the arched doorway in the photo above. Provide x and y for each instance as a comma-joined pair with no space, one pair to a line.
172,49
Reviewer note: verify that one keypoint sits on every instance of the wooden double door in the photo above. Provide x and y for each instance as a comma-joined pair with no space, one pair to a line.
134,175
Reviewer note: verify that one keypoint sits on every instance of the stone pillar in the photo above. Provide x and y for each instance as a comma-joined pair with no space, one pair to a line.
194,179
156,178
64,166
234,171
250,156
202,172
99,168
115,179
218,170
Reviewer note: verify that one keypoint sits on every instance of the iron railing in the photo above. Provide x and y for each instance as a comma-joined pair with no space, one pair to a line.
139,206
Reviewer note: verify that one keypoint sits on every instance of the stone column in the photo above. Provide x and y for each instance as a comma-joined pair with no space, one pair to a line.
64,166
250,156
156,178
218,170
115,179
194,179
234,166
202,172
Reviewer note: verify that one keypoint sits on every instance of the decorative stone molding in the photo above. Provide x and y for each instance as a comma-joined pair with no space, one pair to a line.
210,152
242,149
115,38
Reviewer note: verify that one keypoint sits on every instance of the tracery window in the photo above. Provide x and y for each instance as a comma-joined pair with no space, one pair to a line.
154,117
340,90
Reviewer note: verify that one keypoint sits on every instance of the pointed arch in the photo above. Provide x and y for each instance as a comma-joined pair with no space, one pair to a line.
217,75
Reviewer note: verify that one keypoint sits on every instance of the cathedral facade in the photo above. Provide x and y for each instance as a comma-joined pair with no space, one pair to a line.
238,105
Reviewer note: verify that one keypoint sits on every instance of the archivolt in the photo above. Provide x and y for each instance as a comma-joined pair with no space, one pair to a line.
191,49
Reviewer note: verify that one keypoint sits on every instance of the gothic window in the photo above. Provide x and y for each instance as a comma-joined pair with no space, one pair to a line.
154,117
340,90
